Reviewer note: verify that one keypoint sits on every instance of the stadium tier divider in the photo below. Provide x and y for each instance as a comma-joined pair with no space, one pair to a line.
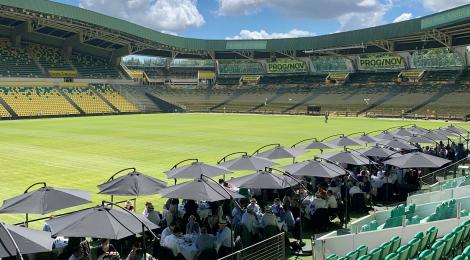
450,189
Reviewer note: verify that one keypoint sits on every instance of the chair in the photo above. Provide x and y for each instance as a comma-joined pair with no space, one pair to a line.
364,257
403,252
466,251
458,231
332,257
432,231
362,250
449,239
375,253
392,256
396,241
386,248
353,255
461,257
426,255
424,242
414,246
438,248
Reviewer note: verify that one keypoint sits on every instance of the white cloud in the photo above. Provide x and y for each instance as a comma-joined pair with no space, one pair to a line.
262,34
440,5
403,17
352,14
163,15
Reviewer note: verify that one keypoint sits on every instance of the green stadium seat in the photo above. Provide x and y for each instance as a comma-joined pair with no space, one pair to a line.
426,255
386,248
362,250
432,231
403,252
332,257
375,253
364,257
392,256
414,247
438,247
396,241
449,239
461,257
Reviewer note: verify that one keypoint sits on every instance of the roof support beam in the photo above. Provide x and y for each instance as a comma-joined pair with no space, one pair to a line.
19,31
440,37
118,53
72,42
385,45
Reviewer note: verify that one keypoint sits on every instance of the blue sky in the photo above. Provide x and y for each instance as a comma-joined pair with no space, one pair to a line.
246,19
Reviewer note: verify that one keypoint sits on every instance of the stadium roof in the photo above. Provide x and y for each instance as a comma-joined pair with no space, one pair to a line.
58,24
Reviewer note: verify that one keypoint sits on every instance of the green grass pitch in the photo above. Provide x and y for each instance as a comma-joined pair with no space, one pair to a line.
83,152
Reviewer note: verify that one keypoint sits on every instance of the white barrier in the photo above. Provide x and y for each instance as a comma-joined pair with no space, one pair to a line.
341,245
442,195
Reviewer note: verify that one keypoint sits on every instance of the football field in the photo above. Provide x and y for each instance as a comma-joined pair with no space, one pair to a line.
83,152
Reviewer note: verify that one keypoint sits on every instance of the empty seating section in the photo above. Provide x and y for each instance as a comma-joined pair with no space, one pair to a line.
119,101
4,112
50,58
87,100
240,68
36,101
94,67
423,246
441,75
16,62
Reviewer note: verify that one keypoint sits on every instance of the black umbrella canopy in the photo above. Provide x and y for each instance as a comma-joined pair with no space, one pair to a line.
45,200
454,129
417,160
281,152
348,157
418,130
435,135
378,151
99,222
263,179
402,132
199,189
385,136
196,169
248,163
132,184
419,139
29,241
317,145
345,141
446,132
398,144
314,168
367,139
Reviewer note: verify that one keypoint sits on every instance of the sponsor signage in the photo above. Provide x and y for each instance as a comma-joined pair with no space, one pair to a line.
63,73
387,62
286,67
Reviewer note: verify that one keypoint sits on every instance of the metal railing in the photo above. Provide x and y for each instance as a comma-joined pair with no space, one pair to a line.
273,248
444,173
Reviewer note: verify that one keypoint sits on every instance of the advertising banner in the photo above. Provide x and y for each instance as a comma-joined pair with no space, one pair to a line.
63,73
287,67
386,62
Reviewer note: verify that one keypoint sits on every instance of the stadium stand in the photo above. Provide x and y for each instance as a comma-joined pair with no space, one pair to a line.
36,101
87,100
50,58
94,67
16,62
114,97
4,113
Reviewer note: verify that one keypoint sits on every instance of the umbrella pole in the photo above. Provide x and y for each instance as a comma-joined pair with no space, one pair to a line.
26,223
143,238
18,252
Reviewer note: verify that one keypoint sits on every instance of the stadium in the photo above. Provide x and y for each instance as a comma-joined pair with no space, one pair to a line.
119,140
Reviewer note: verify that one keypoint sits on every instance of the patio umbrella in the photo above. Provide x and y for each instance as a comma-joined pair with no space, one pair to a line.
435,135
195,170
455,129
281,152
45,200
367,139
402,132
418,130
445,132
347,157
263,180
385,136
417,160
132,184
419,139
345,141
199,189
314,168
248,163
99,222
317,145
28,241
378,151
398,144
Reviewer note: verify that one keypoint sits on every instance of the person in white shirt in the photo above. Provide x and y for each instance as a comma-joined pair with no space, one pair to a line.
317,203
152,215
354,190
268,218
166,232
249,221
171,242
331,200
254,207
224,239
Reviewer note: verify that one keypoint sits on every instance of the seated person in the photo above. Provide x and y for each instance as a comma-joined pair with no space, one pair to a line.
205,241
107,251
355,189
318,202
254,207
192,227
278,209
137,253
250,222
166,232
76,255
152,215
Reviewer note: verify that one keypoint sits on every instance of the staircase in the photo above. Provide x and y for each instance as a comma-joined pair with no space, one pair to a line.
70,101
379,102
137,95
8,108
164,105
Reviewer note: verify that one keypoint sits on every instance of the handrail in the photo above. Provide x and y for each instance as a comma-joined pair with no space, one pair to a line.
442,169
234,254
